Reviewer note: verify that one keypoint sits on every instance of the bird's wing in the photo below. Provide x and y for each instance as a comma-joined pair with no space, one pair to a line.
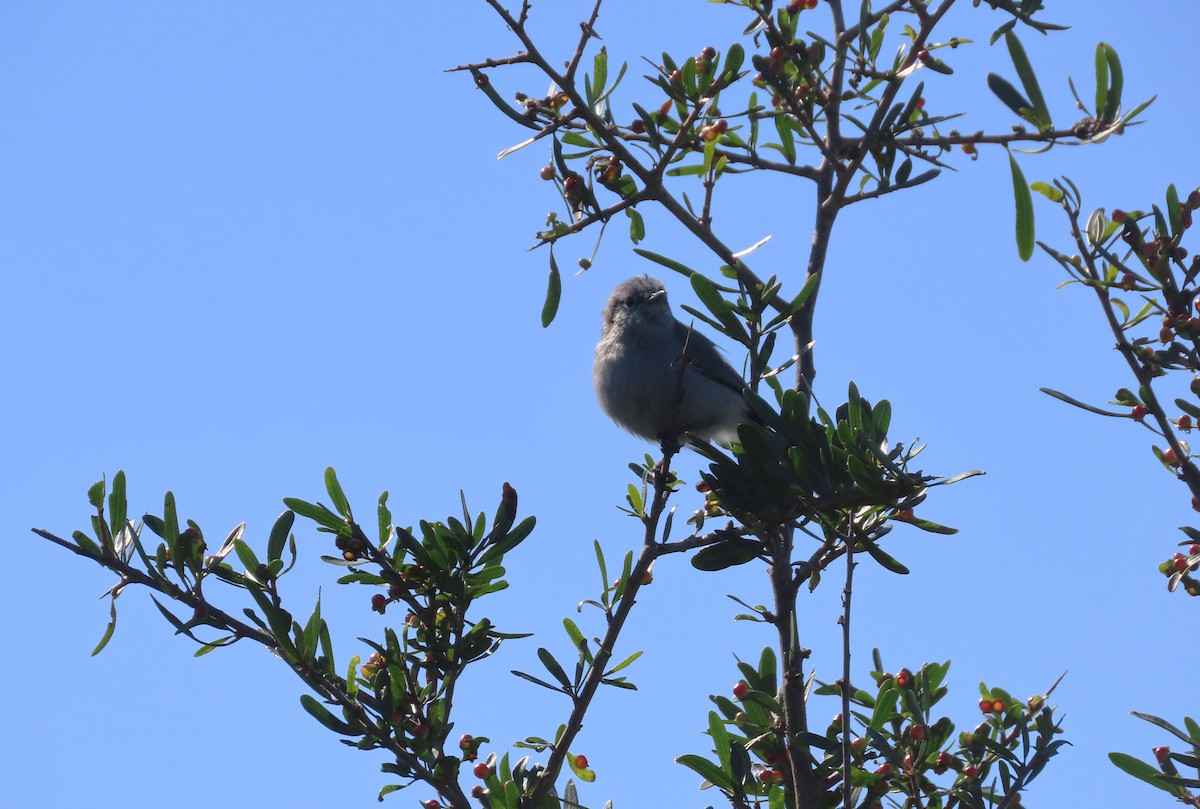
704,355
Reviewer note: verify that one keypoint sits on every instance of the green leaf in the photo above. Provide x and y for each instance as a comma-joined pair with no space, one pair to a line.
336,495
573,632
317,513
279,535
118,506
1116,83
108,630
1101,81
883,558
1008,94
1048,191
707,292
582,773
322,715
553,292
707,770
552,666
96,494
670,264
483,83
728,553
1024,205
637,226
1028,81
1072,401
1143,771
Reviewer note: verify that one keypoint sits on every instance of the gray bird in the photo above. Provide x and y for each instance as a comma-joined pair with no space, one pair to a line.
658,378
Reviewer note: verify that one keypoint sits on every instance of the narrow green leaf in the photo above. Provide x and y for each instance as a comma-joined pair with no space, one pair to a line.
1072,401
118,506
86,542
1116,84
637,226
1024,205
322,715
624,663
670,264
336,495
317,513
707,770
1144,772
1101,81
279,535
553,667
553,292
600,69
707,292
573,632
1008,94
1048,191
385,520
484,83
108,630
1028,80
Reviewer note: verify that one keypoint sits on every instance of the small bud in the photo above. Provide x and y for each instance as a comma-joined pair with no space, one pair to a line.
379,603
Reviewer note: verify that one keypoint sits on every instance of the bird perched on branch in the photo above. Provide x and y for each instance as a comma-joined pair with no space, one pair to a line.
657,377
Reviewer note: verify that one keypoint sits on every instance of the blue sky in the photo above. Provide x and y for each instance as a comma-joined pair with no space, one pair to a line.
244,242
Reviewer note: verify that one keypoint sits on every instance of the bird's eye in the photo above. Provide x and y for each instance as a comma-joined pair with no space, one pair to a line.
630,300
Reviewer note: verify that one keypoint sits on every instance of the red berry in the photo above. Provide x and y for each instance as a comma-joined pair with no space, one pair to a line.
431,804
547,173
1118,215
478,791
1179,562
968,148
942,763
771,777
796,6
1193,199
379,603
1170,458
920,103
985,705
709,53
638,126
998,706
813,4
923,55
904,678
1194,549
1139,412
1128,281
740,689
917,732
859,745
1184,422
581,762
970,771
885,769
1162,753
676,76
482,770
